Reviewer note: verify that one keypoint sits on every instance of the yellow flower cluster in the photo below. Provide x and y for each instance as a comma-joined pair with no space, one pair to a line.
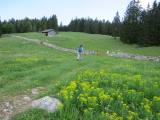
156,99
60,106
132,115
138,77
68,92
104,97
116,96
87,95
156,103
112,116
147,105
85,86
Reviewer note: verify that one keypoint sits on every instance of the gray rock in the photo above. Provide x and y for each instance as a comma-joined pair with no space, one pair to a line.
5,110
47,103
35,91
27,98
134,56
7,104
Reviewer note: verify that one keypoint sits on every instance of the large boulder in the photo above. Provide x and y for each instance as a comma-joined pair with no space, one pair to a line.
47,103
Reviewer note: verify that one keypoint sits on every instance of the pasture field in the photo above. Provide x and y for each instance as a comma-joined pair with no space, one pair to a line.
94,42
96,88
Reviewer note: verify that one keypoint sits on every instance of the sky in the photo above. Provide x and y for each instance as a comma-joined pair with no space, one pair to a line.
66,10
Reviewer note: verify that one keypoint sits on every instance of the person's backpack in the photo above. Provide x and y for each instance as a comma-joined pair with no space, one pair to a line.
80,49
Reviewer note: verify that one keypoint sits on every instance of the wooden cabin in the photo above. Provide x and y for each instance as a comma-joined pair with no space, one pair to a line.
49,32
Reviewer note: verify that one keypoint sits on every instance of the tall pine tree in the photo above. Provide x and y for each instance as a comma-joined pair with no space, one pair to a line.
116,25
131,25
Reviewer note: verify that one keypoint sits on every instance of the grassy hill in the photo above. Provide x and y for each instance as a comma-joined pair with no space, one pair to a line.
25,65
94,42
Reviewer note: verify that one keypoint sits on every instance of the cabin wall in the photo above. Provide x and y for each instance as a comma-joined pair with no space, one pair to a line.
51,33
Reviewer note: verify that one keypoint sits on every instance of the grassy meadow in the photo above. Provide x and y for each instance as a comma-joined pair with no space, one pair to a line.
93,42
96,88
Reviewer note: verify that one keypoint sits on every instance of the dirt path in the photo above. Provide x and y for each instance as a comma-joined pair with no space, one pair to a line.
11,105
89,52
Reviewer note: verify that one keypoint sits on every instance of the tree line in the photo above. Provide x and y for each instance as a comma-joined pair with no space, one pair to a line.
89,25
139,26
28,25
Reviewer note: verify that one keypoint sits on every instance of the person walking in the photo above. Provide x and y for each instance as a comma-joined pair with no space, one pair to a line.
80,52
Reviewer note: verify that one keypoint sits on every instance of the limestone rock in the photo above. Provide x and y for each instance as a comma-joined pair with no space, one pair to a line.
47,103
35,91
26,98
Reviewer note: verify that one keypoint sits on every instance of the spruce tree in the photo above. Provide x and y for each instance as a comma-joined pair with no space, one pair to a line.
131,24
116,25
154,24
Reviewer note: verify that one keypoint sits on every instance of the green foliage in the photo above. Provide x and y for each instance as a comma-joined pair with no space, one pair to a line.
103,92
130,27
7,27
91,26
29,25
150,26
32,114
141,27
116,25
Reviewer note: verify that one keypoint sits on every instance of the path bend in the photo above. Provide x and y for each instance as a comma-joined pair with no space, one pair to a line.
92,52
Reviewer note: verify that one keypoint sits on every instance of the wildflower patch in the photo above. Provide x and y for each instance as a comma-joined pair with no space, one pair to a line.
112,95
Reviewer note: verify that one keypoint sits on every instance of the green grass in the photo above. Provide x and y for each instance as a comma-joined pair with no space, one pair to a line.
25,65
94,42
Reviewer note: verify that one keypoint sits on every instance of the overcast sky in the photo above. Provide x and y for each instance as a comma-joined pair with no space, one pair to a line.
64,9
